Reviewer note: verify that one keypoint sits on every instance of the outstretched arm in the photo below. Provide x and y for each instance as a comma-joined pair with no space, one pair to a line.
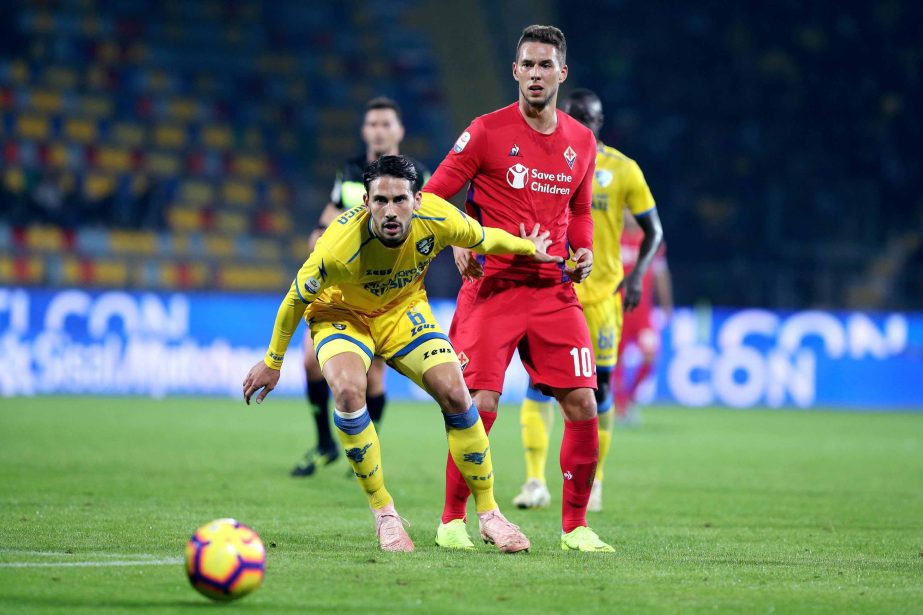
311,279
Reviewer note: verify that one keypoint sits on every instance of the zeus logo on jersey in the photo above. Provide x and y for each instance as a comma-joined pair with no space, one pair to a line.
517,175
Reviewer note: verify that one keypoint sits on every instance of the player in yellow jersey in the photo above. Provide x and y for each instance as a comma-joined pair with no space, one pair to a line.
361,292
618,184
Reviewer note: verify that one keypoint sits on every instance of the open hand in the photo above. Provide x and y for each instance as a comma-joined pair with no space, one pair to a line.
467,263
541,242
260,376
632,285
584,264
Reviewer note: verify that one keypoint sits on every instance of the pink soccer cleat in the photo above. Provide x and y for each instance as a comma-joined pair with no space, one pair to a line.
497,530
390,529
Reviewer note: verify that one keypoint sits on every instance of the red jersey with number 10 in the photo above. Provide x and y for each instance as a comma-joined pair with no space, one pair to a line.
519,175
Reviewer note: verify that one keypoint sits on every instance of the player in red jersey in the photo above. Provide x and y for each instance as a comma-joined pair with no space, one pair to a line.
528,162
639,328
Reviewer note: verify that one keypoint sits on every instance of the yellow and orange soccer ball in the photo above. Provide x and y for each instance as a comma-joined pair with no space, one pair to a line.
225,560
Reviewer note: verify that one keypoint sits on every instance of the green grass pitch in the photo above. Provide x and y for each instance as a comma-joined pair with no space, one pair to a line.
745,511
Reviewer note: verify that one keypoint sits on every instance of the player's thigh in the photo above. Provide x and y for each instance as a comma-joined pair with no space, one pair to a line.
603,319
412,342
335,332
489,323
557,350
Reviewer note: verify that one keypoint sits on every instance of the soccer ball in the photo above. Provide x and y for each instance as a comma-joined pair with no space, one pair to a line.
225,560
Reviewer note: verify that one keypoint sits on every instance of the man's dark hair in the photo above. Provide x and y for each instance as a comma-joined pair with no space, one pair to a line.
544,34
584,106
392,166
383,102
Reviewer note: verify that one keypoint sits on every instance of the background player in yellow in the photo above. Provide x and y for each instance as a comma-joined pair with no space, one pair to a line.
618,184
361,291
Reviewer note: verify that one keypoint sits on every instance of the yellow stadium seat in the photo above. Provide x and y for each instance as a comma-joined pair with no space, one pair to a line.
98,185
196,192
45,238
158,80
80,130
266,249
249,277
217,137
57,154
183,219
250,166
107,272
47,101
170,136
33,126
71,271
128,134
231,222
184,109
14,180
96,106
19,71
7,269
235,192
162,163
219,245
133,242
114,159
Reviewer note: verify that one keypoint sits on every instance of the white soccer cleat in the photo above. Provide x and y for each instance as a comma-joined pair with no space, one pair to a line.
596,497
497,530
390,529
534,494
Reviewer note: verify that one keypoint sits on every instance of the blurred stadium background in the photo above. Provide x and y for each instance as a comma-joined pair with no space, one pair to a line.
164,161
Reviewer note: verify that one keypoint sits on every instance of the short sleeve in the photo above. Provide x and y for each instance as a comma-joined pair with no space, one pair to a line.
639,197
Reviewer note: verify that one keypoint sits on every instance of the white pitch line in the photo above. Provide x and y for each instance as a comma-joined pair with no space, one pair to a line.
104,554
171,561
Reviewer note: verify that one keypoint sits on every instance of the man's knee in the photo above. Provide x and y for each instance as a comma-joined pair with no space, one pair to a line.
578,404
446,385
455,398
486,401
348,395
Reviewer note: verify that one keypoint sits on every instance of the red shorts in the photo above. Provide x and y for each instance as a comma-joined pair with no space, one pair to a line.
546,323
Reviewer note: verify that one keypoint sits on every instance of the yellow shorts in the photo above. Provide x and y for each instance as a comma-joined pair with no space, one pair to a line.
407,337
604,319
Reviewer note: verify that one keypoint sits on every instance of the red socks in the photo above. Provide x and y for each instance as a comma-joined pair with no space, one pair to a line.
579,456
456,489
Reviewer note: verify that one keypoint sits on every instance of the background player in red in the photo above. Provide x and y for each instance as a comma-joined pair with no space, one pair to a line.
639,327
528,162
